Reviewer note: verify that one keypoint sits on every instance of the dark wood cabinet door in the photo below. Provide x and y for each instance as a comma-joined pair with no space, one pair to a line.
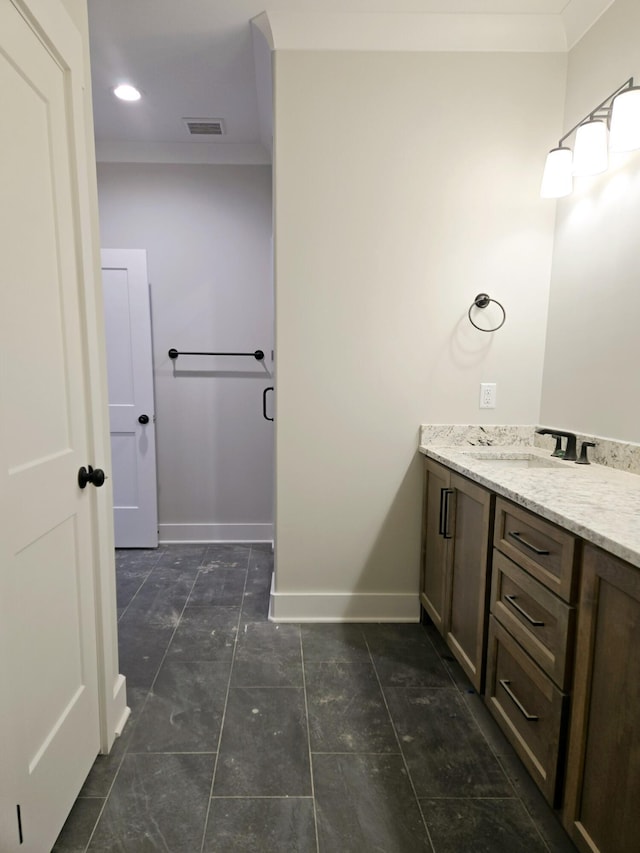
528,707
470,526
434,545
602,794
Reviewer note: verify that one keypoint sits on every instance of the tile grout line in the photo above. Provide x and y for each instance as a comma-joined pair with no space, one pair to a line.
511,783
113,782
173,752
173,633
355,752
491,750
262,797
100,813
395,732
224,710
306,711
146,698
159,556
132,597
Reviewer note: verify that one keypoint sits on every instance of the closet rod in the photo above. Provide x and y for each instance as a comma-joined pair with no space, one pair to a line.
258,354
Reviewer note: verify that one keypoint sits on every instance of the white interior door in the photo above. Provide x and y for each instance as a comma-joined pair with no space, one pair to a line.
48,658
131,398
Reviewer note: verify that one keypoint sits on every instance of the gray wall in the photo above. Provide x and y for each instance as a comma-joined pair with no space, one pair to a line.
207,232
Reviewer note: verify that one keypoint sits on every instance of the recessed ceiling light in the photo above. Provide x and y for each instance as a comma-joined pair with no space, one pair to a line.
126,92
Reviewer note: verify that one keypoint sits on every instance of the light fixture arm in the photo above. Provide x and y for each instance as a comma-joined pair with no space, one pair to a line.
602,111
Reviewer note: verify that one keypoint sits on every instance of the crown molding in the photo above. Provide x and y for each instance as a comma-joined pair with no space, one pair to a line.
416,32
580,15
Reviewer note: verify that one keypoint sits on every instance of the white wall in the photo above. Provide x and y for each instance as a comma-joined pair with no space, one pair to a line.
591,376
405,184
207,232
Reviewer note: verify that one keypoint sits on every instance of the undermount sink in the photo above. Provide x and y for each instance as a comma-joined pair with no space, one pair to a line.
520,459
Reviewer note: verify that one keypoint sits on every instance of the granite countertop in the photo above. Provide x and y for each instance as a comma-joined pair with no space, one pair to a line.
596,502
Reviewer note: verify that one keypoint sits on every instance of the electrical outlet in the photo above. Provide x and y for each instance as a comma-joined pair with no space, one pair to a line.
487,395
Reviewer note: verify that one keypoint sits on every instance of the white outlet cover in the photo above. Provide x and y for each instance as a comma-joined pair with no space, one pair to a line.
488,395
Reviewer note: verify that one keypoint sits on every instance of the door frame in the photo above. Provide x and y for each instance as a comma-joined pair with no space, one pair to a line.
61,24
112,698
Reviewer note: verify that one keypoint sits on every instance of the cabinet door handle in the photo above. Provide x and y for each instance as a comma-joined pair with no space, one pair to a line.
531,718
519,538
445,524
441,516
512,601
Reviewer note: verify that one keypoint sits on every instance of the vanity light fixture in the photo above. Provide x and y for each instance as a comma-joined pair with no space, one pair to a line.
617,117
557,180
127,92
591,148
625,124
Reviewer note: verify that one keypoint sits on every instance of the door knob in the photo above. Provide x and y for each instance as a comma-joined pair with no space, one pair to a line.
89,475
143,419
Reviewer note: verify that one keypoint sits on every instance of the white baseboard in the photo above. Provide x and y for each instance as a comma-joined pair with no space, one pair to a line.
343,607
123,720
116,715
174,533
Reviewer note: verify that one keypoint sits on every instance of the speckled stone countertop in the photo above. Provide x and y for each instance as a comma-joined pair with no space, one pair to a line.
598,503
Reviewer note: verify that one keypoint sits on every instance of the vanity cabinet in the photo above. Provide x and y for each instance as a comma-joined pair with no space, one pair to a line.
456,542
529,657
562,649
602,791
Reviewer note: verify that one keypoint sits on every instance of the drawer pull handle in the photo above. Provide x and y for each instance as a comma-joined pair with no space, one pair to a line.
523,541
512,601
531,718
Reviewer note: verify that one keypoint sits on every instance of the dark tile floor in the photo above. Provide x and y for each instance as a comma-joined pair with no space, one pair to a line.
247,735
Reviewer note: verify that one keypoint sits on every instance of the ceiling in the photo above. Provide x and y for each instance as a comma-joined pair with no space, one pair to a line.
197,59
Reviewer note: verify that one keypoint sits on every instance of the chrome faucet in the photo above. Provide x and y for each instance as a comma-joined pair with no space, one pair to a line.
570,452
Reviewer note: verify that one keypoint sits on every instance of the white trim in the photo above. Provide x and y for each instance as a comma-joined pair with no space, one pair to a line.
343,607
261,24
120,702
173,533
390,31
111,685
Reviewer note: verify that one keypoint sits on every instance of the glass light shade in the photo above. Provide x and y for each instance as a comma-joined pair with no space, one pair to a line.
625,120
590,151
126,92
557,179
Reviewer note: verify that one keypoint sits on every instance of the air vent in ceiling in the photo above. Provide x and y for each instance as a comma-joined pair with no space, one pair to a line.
204,126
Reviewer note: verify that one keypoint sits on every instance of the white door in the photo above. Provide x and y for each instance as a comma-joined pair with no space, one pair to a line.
131,399
49,728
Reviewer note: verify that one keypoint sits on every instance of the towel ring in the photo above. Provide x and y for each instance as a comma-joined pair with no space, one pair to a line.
482,300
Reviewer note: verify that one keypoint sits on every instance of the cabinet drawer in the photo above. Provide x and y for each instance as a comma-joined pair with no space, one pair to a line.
538,619
547,552
528,707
